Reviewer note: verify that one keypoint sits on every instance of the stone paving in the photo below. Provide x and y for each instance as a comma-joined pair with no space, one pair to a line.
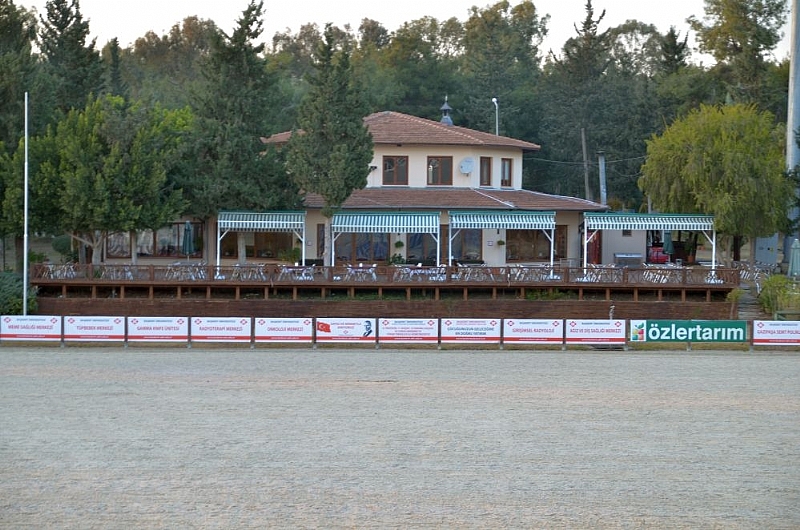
335,438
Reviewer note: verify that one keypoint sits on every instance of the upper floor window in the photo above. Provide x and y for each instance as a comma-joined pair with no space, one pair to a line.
395,170
440,170
486,171
505,172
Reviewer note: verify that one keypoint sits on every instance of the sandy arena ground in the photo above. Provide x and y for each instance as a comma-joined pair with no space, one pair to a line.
267,438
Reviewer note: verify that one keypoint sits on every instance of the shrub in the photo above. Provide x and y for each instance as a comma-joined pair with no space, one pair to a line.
63,245
11,295
778,293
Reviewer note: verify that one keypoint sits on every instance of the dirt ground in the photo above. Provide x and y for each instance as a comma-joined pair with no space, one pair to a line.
336,438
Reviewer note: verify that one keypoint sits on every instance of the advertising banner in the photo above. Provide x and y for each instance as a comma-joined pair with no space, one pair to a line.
472,331
776,332
30,327
94,329
688,331
345,330
158,329
412,330
531,331
284,330
221,329
595,331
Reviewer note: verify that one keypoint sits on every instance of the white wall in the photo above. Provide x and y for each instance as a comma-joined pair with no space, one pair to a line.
418,164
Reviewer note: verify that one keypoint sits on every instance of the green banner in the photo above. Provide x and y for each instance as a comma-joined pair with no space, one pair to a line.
688,331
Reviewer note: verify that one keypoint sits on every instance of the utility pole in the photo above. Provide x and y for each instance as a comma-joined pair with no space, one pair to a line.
588,191
793,119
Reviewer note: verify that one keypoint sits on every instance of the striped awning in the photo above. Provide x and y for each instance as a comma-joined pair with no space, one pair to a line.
381,222
513,220
262,221
658,221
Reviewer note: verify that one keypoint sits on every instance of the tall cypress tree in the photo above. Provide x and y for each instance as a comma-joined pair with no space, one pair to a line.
234,109
73,64
331,151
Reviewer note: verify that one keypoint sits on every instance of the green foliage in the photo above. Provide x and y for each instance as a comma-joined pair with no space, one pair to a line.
292,255
740,34
779,293
63,245
229,168
73,64
331,153
11,288
721,160
36,257
550,294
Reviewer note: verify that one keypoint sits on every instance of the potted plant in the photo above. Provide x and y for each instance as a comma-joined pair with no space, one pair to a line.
500,242
399,244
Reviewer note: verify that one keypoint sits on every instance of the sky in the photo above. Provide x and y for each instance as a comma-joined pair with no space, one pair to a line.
128,20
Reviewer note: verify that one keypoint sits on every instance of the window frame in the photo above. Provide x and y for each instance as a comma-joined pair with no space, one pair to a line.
506,172
440,171
384,172
486,171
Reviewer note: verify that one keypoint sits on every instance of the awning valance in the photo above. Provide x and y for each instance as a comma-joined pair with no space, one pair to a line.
512,220
381,222
660,221
262,221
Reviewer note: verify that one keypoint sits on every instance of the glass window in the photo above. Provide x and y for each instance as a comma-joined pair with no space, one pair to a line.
505,172
395,170
369,248
440,170
486,171
467,244
118,244
265,245
422,249
534,245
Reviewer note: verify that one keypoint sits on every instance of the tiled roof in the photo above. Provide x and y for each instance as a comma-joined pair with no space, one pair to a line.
393,128
442,198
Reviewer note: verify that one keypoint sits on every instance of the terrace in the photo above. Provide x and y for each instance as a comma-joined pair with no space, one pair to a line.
265,281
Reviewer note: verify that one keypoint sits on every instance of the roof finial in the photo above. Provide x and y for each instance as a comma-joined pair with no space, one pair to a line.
446,119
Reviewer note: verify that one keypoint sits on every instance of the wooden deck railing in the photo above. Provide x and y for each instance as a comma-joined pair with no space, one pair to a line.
259,274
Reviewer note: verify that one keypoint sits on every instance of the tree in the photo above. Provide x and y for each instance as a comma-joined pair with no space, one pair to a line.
74,65
501,59
722,160
17,64
674,52
235,107
741,33
331,151
167,68
102,169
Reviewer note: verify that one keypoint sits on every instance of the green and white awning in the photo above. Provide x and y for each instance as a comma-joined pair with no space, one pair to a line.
293,222
660,221
511,220
383,222
261,221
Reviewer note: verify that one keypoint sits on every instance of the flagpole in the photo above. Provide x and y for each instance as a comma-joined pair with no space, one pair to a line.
25,228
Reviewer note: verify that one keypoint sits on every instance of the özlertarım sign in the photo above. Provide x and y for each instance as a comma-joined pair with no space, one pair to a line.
688,331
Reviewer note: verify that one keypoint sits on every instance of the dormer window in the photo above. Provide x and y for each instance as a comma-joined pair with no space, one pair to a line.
395,171
440,170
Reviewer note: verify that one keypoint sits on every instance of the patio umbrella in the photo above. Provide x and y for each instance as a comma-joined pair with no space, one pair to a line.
188,240
794,260
669,248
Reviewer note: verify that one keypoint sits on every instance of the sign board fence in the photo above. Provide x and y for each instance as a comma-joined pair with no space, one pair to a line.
94,329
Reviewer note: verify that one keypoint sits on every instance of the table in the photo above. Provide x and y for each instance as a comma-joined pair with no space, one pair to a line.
361,274
249,272
296,272
186,271
476,273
